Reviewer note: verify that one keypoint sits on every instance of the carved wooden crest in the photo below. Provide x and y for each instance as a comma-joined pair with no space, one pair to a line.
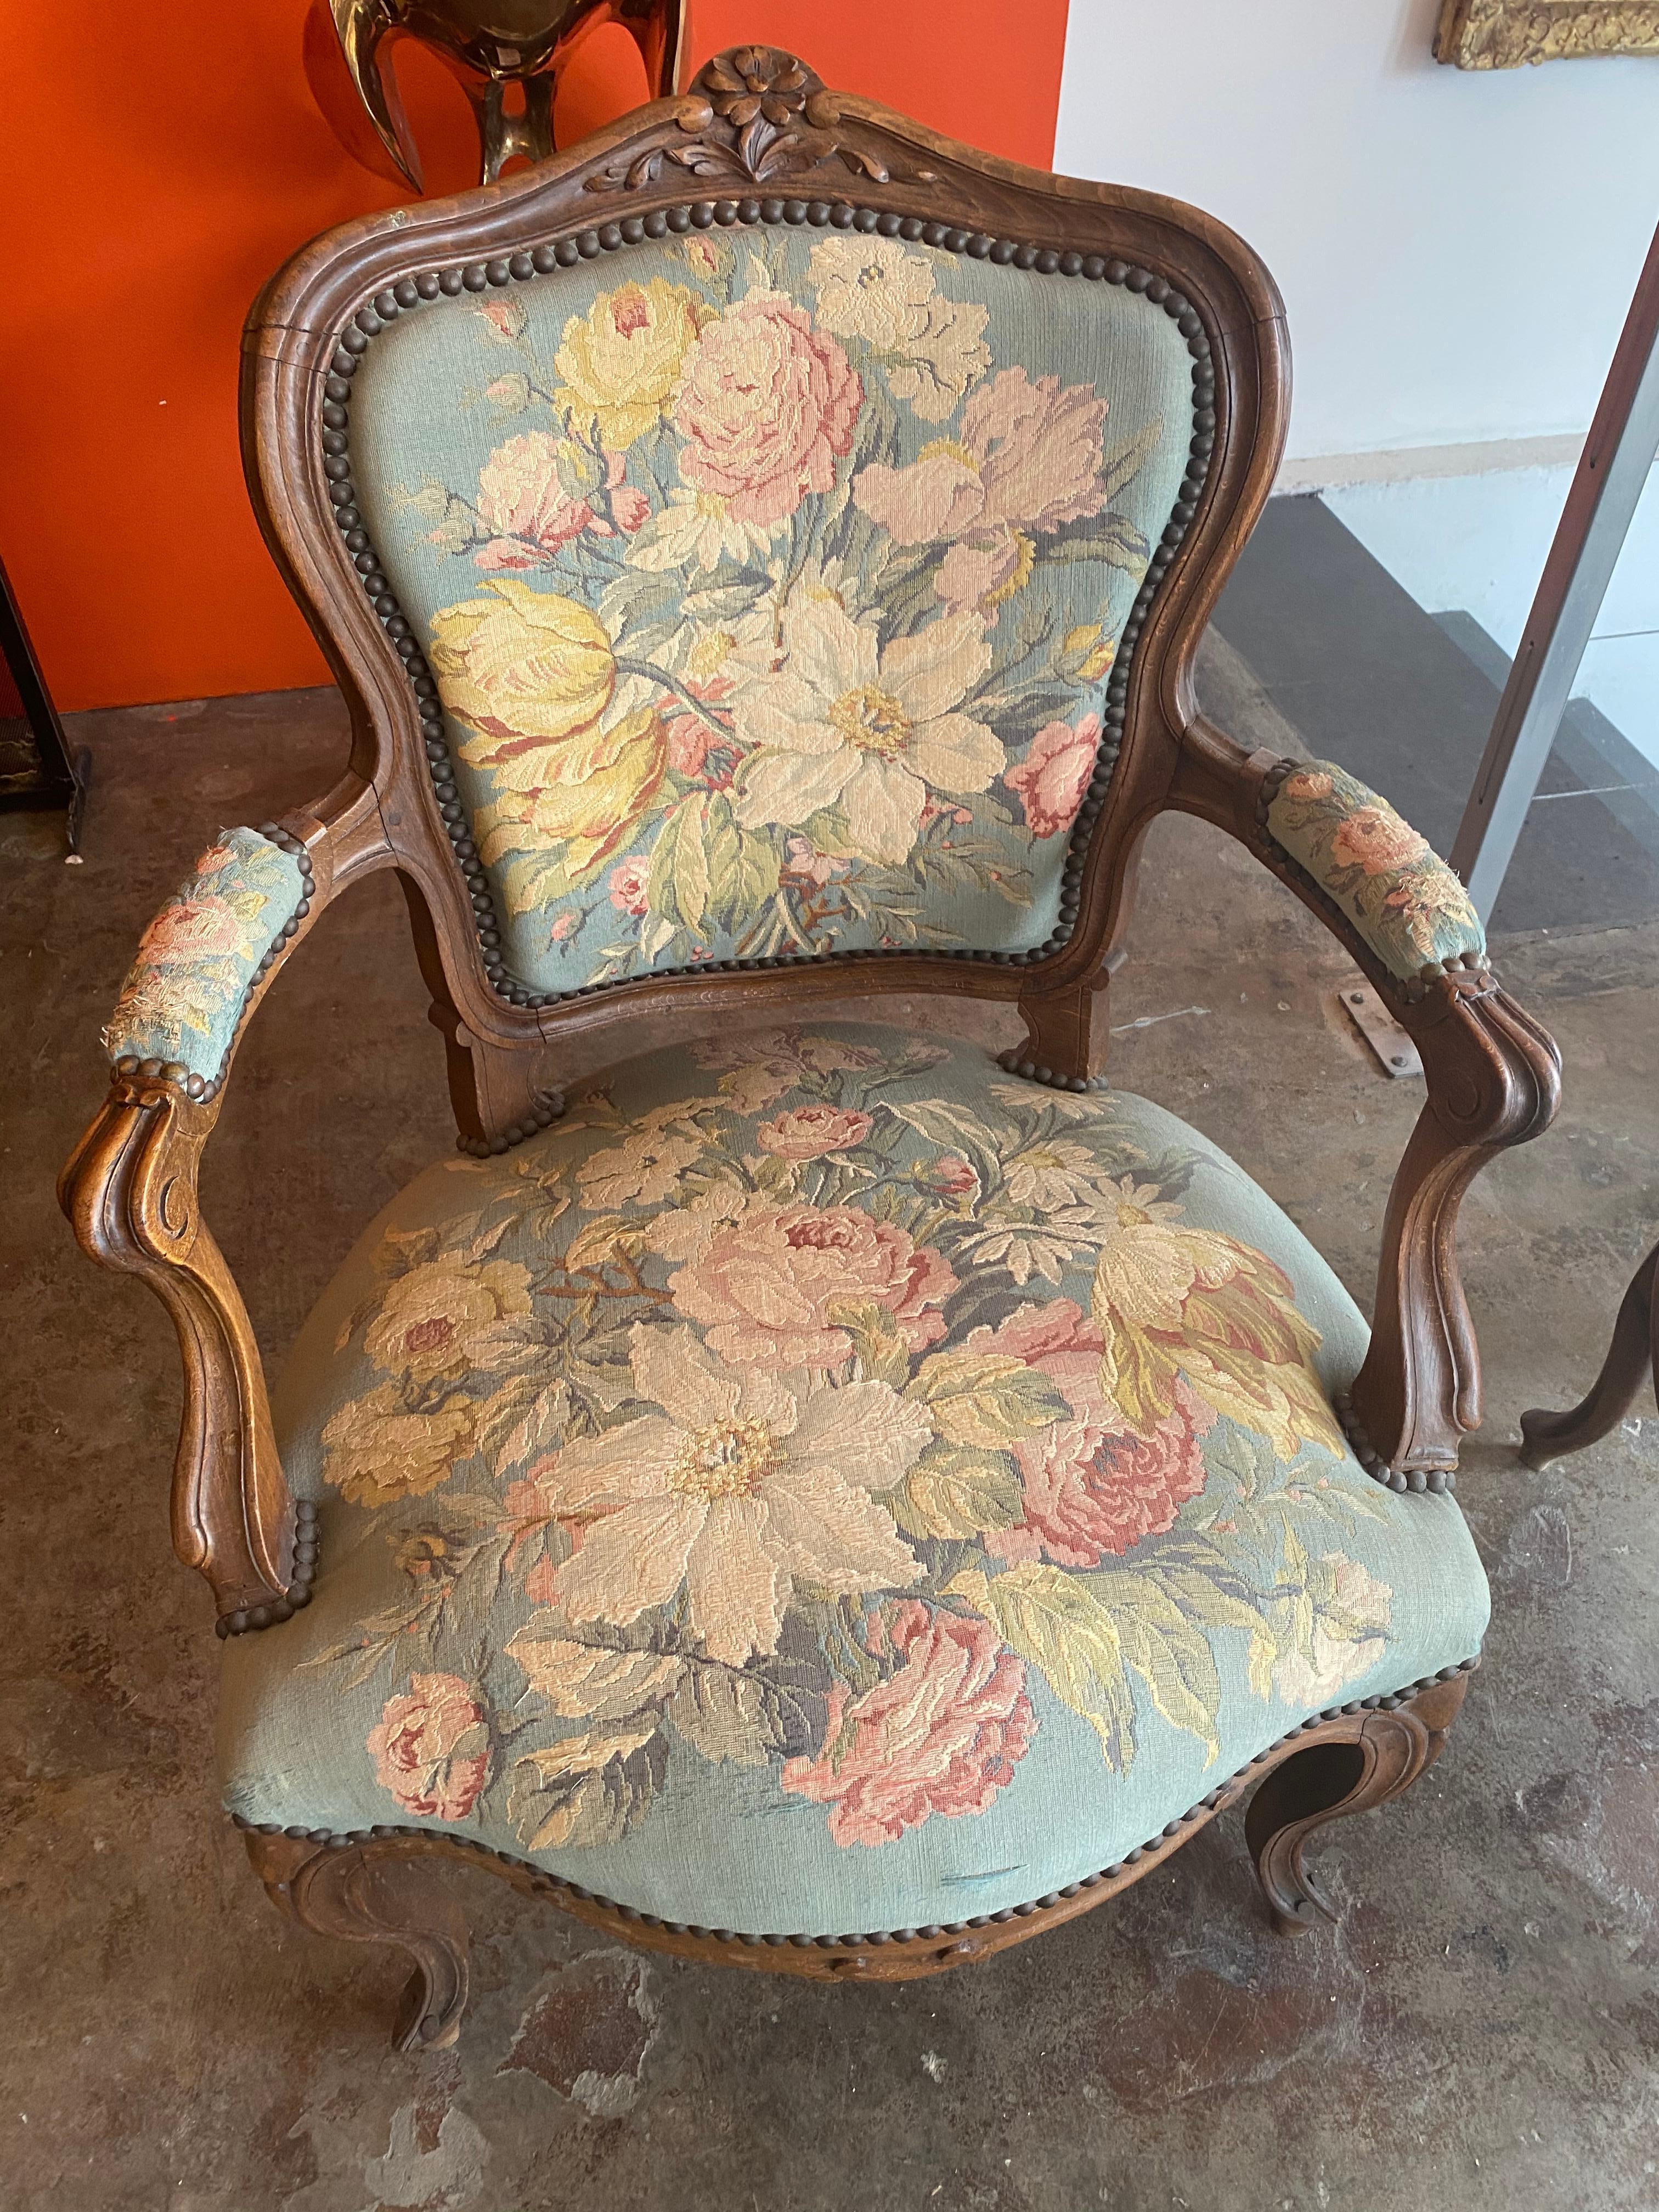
754,115
1508,33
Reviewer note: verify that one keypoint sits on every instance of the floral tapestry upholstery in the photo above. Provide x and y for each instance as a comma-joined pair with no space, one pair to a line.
183,996
771,584
1399,894
823,1483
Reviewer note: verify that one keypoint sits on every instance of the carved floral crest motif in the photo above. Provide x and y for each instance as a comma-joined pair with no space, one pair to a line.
752,116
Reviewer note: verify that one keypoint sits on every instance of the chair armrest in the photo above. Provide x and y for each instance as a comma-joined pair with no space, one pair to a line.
129,1187
192,980
1409,908
1493,1074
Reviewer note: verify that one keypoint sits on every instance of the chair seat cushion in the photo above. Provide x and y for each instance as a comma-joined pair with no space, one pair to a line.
824,1483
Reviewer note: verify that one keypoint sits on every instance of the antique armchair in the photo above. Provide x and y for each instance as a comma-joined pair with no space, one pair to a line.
822,1500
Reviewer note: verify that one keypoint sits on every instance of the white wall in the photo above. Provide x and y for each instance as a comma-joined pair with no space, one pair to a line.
1478,543
1457,248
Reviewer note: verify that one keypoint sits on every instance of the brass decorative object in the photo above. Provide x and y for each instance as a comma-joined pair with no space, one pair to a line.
489,45
1485,35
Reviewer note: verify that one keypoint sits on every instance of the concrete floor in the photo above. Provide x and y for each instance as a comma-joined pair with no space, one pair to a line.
1482,2032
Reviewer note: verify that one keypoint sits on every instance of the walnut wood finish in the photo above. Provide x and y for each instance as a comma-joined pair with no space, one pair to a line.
1494,1079
131,1187
130,1191
1331,1778
365,1887
1633,1359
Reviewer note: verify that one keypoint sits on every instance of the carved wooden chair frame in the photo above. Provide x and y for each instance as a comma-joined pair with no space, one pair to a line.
757,140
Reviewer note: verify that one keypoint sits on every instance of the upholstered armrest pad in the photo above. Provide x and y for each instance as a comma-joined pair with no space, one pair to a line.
1401,897
183,996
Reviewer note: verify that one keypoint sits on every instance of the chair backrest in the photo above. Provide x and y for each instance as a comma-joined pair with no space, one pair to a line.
801,573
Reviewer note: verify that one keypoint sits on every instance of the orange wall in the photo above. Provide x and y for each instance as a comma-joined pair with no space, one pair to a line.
154,174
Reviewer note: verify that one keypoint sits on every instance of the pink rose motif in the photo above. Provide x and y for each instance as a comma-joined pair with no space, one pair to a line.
804,864
190,929
507,318
952,1176
764,1288
1090,1493
1308,783
431,1750
566,926
524,500
1375,838
690,740
765,404
943,1735
1050,782
629,882
1028,459
811,1131
1062,1342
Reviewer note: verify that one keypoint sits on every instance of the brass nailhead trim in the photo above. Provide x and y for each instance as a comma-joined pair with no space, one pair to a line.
298,1590
412,292
1015,1064
1436,1479
332,1839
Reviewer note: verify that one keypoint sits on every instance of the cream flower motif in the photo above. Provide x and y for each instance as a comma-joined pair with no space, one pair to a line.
377,1451
932,348
1063,1172
449,1316
848,723
744,1482
1358,1604
645,1168
698,527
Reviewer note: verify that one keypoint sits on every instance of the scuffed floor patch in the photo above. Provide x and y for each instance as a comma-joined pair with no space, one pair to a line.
413,2178
587,2031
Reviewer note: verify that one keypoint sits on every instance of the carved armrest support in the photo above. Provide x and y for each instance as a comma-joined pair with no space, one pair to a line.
129,1187
129,1193
1493,1074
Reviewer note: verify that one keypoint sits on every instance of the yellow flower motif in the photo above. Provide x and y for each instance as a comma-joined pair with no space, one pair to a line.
377,1451
520,665
620,361
1176,1301
1087,652
586,794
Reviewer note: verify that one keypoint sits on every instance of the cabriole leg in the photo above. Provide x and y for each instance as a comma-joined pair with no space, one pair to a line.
377,1893
1386,1754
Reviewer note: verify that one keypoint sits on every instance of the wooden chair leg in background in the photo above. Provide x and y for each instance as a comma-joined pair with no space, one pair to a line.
1633,1358
1328,1781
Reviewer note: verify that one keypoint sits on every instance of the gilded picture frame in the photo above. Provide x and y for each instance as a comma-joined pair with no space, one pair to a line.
1484,34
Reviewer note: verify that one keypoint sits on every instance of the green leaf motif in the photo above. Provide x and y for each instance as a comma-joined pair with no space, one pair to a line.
1170,1655
987,1399
1053,1621
707,872
590,1788
957,1492
883,1353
